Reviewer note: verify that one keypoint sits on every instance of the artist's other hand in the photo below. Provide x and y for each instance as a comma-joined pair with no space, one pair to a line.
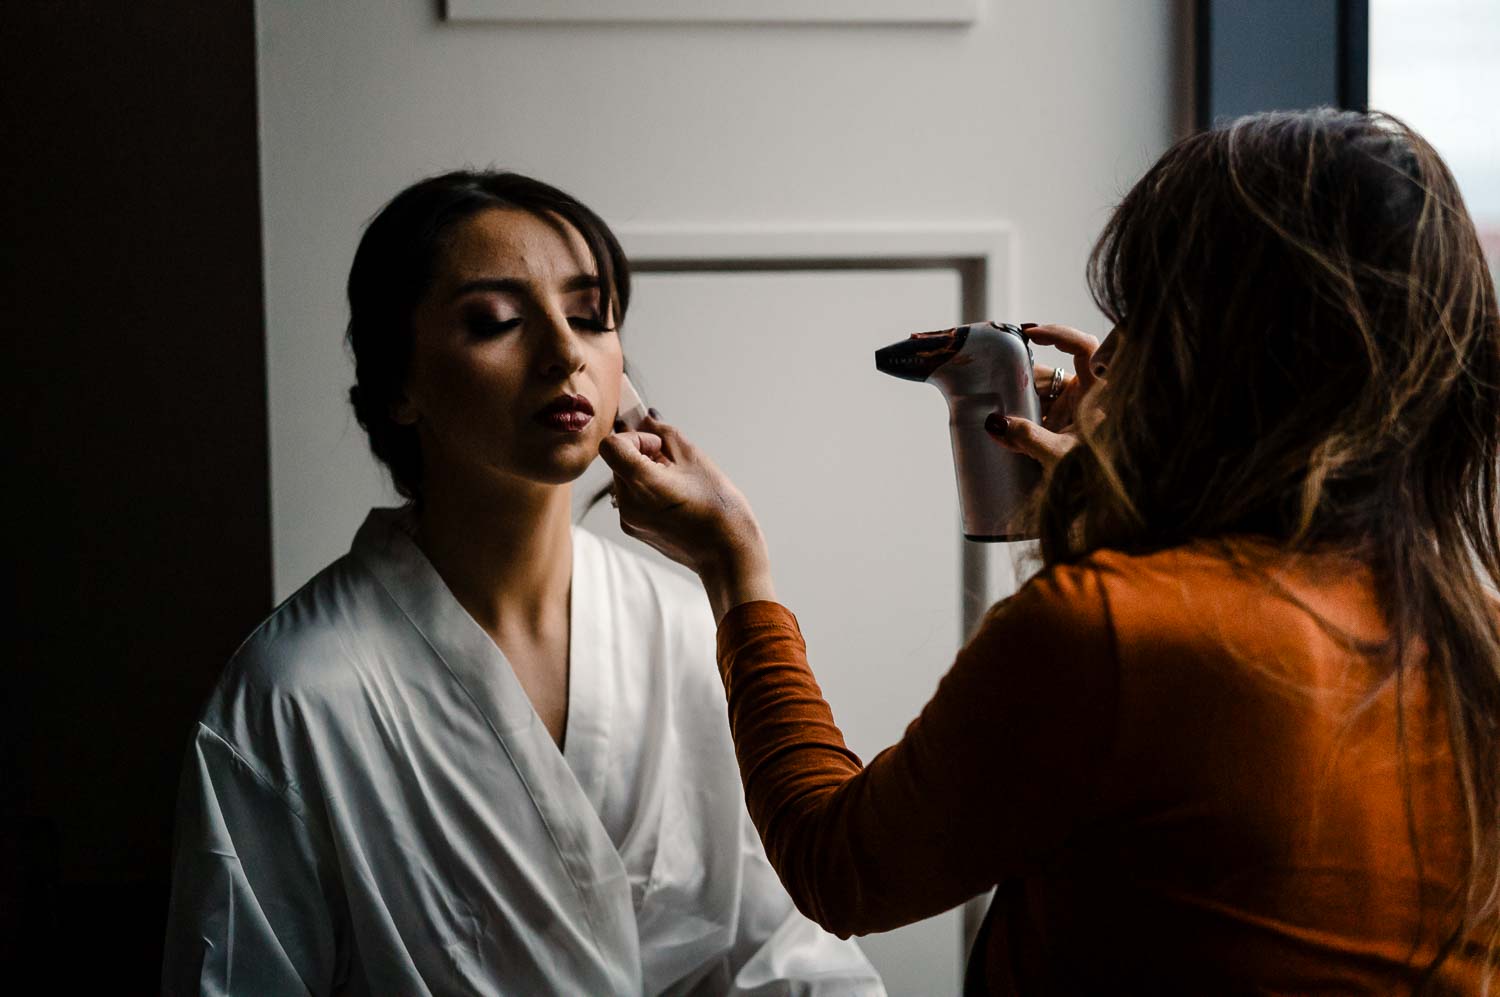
1062,397
674,498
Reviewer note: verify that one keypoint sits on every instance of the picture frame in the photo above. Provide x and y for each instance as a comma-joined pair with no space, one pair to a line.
850,12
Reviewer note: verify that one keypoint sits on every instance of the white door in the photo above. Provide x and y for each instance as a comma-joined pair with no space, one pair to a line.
854,495
796,194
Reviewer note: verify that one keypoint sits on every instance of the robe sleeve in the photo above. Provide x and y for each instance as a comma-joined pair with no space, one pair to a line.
778,951
249,912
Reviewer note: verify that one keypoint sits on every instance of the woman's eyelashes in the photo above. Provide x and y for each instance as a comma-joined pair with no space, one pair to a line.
488,326
589,323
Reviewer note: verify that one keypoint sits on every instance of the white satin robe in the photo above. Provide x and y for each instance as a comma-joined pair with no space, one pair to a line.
370,804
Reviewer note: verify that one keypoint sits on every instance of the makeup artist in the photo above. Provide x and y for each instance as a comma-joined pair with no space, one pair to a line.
1240,733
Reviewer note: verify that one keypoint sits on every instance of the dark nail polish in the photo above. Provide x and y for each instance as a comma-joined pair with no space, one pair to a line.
619,425
653,413
1028,325
994,424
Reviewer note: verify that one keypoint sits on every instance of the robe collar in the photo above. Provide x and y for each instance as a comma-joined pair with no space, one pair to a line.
386,546
566,792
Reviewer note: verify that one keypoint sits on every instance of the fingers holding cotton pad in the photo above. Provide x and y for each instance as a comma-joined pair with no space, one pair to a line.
632,410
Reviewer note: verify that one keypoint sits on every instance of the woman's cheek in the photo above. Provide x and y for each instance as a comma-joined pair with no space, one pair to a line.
488,379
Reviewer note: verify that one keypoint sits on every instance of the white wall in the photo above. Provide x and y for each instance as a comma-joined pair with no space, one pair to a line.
1038,117
1048,109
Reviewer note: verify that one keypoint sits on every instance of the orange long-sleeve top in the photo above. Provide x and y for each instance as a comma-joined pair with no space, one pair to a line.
1181,770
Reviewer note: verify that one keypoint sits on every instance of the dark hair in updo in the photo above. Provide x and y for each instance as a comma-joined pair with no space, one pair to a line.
396,262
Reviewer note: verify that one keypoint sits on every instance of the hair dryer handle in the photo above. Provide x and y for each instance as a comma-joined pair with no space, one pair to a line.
995,485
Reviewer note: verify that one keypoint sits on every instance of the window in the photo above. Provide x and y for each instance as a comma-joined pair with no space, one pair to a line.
1436,65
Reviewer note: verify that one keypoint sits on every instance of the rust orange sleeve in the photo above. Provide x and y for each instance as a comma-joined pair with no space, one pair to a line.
994,772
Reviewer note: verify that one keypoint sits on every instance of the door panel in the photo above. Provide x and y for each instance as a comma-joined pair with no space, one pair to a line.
773,374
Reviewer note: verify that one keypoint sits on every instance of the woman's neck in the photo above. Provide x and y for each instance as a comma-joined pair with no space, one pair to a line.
505,549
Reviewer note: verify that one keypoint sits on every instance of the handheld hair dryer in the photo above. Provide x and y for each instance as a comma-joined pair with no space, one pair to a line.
979,368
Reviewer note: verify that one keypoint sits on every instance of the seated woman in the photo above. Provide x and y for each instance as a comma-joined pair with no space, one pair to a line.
1240,735
484,752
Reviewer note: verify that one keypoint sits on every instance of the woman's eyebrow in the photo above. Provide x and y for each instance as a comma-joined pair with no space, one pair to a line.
494,285
582,282
509,285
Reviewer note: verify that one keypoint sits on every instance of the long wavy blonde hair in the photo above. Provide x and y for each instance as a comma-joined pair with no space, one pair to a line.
1310,352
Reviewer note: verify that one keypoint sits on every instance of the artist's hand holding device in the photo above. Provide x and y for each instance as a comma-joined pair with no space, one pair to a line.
1009,418
996,391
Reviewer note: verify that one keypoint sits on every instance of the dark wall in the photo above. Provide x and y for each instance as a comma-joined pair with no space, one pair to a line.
137,487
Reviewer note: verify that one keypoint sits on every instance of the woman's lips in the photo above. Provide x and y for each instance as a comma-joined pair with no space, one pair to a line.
568,414
571,421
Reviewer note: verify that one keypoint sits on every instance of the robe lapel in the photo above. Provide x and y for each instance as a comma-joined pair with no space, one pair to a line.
590,680
563,805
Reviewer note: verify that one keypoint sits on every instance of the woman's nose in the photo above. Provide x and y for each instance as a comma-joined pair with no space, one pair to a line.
563,353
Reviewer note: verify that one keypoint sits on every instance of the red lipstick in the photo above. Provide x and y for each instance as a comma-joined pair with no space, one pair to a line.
566,414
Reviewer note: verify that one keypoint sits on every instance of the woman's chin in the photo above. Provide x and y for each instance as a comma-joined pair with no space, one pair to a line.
564,464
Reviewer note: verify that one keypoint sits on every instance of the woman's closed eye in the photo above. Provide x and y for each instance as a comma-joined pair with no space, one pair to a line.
486,326
589,323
